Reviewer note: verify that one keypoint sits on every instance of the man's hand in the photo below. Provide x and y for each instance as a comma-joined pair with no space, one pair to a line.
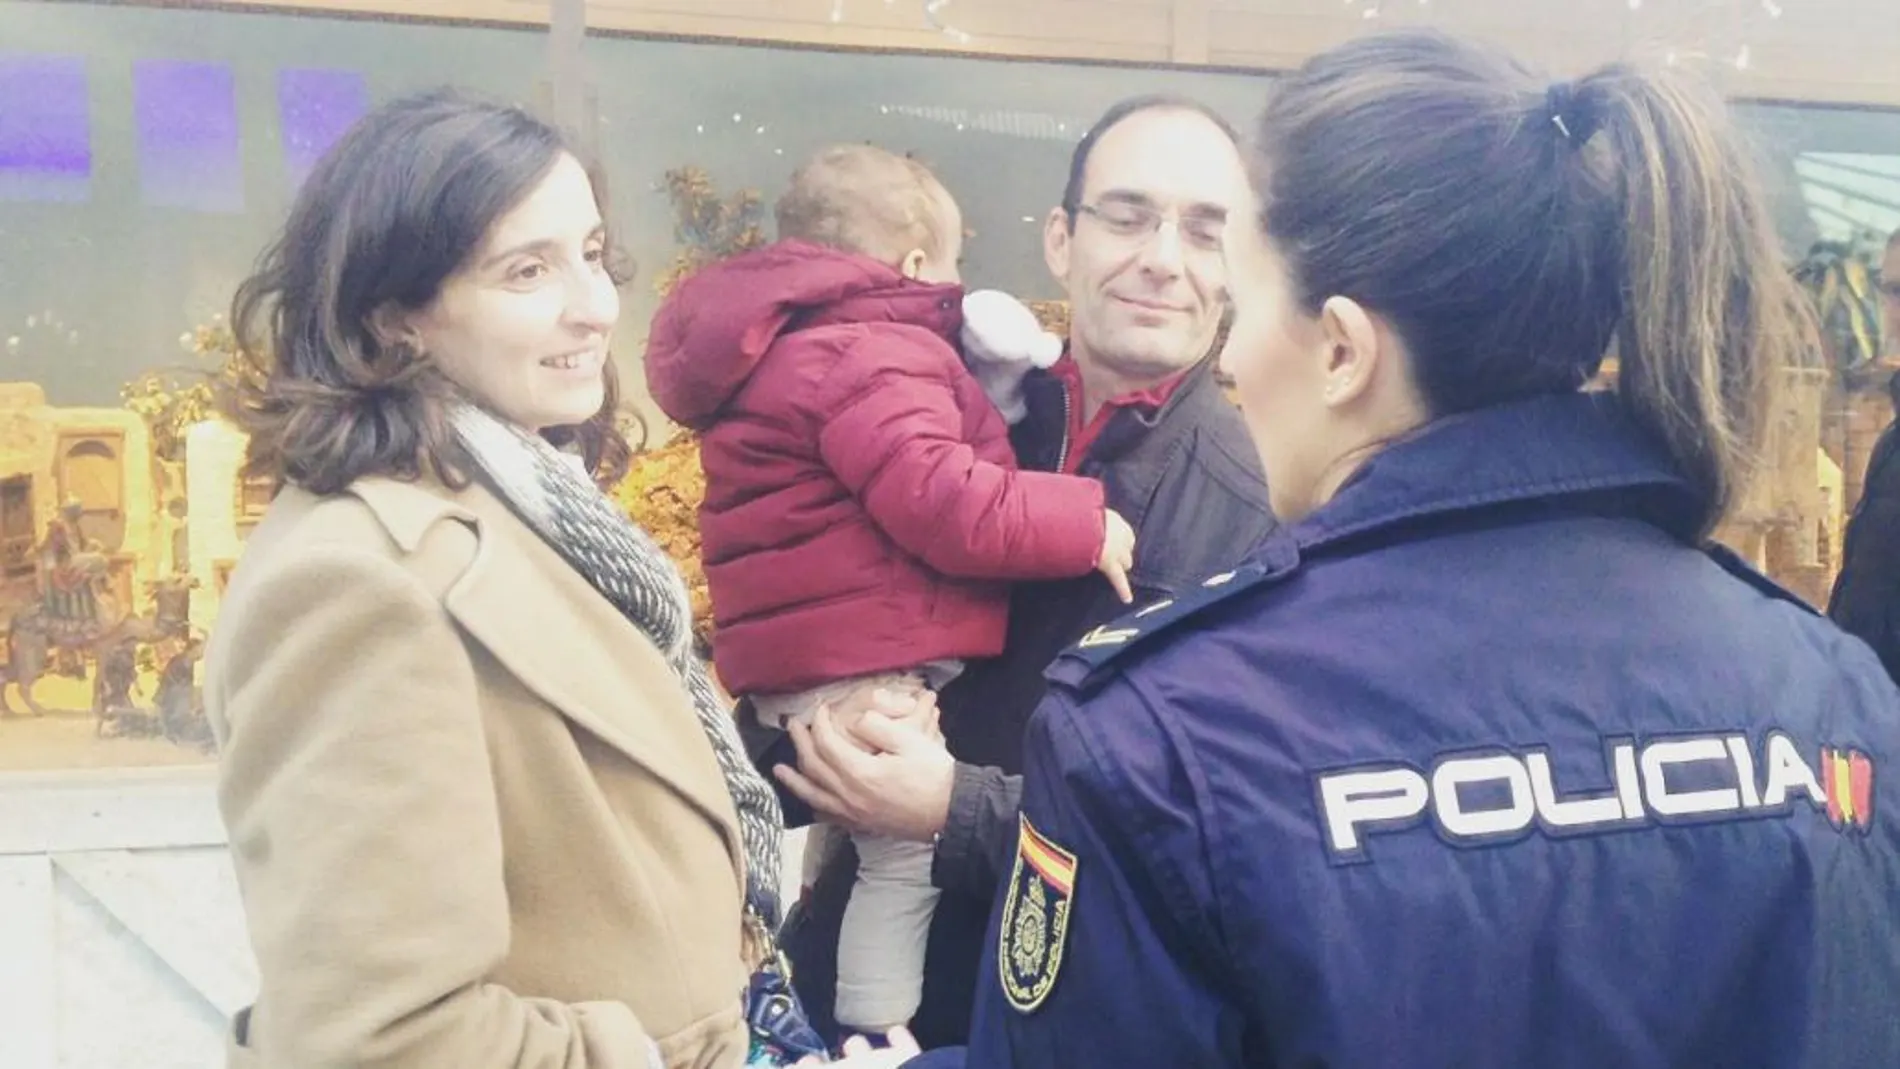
901,789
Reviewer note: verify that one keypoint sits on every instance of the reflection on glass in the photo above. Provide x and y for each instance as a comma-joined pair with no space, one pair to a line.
1837,170
315,107
1851,193
186,115
145,157
45,131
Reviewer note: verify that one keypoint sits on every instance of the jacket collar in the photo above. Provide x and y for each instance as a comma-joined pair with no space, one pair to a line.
593,666
1545,449
1038,439
408,510
1131,423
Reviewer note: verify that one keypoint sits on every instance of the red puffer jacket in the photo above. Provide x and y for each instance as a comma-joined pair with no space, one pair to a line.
863,506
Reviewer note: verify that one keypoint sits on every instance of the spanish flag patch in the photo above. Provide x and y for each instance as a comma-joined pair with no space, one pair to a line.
1035,919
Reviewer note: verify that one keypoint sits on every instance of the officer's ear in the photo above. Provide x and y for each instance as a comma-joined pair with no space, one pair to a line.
1358,350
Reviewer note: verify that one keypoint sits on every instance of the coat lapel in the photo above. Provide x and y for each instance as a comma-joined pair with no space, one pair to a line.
563,640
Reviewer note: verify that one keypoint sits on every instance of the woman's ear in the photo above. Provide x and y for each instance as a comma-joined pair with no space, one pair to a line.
389,326
912,264
1354,349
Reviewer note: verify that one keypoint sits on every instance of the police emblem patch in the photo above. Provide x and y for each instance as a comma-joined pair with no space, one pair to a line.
1035,918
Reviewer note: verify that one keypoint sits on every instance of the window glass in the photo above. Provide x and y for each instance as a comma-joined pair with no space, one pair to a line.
145,157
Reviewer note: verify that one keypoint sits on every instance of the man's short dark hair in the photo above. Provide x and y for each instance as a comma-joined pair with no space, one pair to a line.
1123,109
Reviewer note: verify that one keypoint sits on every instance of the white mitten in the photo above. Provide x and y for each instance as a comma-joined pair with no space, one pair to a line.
1002,341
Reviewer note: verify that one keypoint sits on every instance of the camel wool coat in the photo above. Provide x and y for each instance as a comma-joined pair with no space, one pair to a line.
474,818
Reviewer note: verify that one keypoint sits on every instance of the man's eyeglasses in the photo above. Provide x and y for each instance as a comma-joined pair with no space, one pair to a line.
1199,229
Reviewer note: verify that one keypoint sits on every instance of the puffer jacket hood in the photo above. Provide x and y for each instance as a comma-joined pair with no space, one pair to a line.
714,329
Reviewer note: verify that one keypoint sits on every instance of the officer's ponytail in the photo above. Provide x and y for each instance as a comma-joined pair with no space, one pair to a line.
1711,312
1517,231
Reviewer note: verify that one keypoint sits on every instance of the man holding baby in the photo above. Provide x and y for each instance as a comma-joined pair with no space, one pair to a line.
1133,404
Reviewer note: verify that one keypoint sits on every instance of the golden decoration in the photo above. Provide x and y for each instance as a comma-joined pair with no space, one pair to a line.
708,227
662,493
1839,278
171,400
1053,315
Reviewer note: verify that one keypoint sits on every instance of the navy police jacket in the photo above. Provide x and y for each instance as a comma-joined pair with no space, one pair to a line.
1484,764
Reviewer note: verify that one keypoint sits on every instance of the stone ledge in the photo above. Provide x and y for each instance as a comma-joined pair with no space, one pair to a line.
109,809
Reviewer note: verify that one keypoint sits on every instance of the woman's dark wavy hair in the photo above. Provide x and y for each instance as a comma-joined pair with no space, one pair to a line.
391,212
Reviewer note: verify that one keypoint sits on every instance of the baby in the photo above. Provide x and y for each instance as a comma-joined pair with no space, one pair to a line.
864,512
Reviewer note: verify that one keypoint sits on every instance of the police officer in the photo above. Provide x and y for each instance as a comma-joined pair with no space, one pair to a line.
1488,758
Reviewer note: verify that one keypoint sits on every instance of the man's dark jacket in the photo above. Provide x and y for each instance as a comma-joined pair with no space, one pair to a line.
1188,479
1866,599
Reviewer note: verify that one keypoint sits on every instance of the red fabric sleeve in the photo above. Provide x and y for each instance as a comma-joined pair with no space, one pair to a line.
896,443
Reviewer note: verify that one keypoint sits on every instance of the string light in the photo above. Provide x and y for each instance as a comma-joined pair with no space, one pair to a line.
1374,9
1744,56
933,17
933,14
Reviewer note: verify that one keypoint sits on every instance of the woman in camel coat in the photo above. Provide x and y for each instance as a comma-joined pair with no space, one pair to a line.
485,806
454,775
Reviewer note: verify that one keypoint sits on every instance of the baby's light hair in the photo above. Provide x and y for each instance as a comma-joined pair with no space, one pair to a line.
866,200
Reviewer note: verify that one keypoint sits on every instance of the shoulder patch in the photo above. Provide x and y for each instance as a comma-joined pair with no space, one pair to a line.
1035,928
1094,651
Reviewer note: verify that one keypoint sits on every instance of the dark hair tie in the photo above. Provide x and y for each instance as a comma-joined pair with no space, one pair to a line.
1570,112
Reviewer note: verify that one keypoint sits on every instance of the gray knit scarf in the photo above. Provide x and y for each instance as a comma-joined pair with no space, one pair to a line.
554,495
